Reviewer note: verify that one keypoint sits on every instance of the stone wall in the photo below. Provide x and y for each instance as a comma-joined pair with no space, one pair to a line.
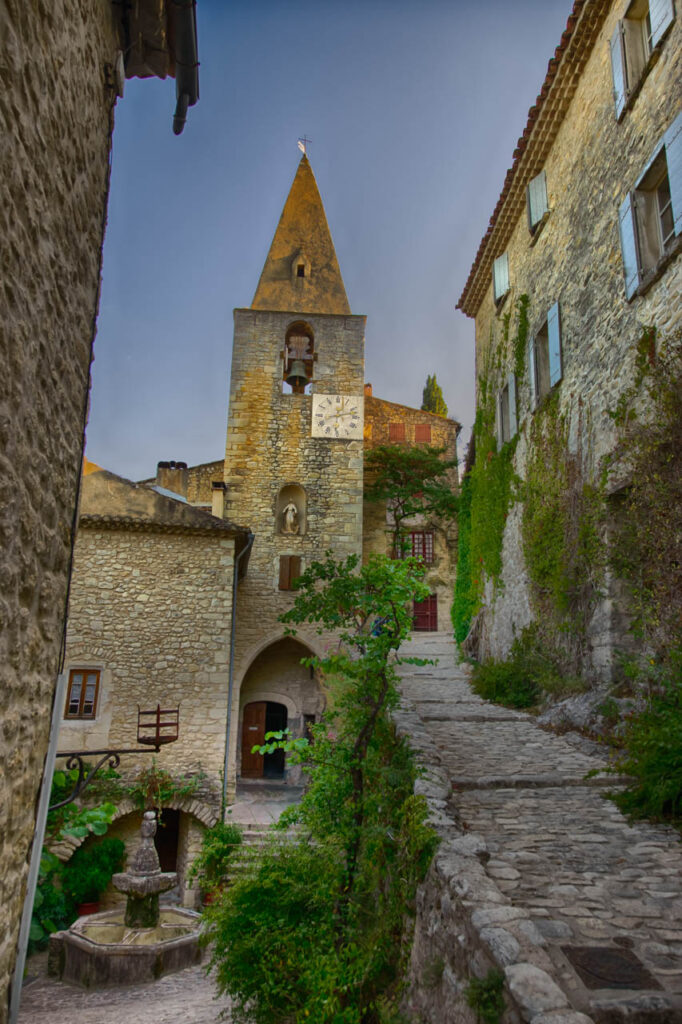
152,610
56,109
575,259
269,447
199,480
377,536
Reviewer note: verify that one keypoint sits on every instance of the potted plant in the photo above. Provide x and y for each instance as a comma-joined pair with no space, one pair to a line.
89,872
210,867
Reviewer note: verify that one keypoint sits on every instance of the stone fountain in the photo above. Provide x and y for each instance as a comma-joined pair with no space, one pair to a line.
138,943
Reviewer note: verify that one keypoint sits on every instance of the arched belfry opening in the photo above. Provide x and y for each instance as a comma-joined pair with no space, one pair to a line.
298,358
278,692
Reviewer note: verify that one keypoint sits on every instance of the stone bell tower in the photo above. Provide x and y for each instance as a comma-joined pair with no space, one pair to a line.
294,454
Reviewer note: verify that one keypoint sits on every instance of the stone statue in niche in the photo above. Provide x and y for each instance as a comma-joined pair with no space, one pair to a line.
290,518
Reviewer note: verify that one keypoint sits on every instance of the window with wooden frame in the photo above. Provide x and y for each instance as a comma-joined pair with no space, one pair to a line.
419,544
650,217
545,363
396,431
501,277
422,433
636,38
289,570
82,693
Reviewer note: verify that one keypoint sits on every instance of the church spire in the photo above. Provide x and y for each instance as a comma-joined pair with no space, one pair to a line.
301,273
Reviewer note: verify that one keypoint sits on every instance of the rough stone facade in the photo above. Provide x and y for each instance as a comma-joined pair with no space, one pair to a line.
591,159
419,427
56,116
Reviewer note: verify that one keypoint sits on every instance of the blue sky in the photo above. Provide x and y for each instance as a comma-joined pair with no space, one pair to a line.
413,107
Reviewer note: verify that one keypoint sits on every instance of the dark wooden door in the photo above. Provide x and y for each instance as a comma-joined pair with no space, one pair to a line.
253,733
426,615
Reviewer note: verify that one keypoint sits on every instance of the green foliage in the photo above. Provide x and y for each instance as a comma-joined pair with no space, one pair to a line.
412,481
153,788
432,397
505,682
464,605
53,909
89,871
218,845
486,997
74,819
653,743
520,342
313,931
532,670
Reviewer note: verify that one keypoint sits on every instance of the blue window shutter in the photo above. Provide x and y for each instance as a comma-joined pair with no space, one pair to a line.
501,276
537,199
662,14
531,373
498,420
511,391
618,69
673,156
554,339
628,245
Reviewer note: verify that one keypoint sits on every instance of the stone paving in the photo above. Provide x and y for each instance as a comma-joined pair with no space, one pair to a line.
561,881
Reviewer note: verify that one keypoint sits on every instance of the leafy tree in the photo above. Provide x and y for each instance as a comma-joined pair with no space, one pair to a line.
412,482
432,397
312,930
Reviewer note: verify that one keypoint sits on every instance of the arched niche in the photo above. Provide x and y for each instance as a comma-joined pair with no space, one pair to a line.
290,511
299,348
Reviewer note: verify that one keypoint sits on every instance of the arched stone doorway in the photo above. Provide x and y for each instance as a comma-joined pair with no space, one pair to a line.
277,693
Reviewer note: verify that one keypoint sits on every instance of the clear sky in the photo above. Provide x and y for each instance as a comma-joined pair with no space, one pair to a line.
413,107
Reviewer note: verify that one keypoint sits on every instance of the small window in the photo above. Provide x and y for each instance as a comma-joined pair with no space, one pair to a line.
82,693
633,43
536,201
300,270
422,433
650,217
501,277
396,431
289,570
417,544
545,357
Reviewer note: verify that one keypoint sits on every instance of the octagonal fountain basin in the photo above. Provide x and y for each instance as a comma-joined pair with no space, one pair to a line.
101,950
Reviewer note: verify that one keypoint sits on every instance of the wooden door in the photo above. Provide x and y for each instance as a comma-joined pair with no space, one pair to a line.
426,615
253,733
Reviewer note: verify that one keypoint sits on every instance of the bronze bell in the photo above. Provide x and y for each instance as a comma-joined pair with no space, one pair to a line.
297,376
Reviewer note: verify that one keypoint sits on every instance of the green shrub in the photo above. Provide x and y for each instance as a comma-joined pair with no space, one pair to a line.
89,871
530,672
486,997
505,682
653,741
218,844
53,908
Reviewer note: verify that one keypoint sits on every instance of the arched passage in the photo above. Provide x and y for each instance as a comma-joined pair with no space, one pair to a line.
277,692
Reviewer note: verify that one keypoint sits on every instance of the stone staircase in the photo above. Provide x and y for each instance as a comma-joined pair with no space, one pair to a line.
538,875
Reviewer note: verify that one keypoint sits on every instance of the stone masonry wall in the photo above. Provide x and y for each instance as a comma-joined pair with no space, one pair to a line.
268,447
199,479
377,537
576,260
153,611
56,116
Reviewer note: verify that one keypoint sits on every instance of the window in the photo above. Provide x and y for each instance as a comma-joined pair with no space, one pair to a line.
650,217
289,570
82,692
422,433
544,357
396,431
635,39
536,201
300,270
501,277
418,544
506,412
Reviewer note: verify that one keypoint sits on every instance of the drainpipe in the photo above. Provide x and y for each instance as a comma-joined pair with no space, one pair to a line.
230,685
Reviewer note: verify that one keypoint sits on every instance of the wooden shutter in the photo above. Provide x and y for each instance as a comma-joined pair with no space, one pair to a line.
531,374
662,15
396,431
618,69
554,345
537,199
501,276
511,391
422,433
628,245
294,568
289,570
673,156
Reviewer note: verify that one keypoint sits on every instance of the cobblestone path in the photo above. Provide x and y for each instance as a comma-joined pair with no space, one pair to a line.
187,997
557,867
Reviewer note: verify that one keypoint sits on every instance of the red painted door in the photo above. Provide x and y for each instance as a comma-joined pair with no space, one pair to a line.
426,615
253,733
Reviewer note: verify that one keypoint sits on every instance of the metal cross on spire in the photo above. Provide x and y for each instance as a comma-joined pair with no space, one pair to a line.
303,144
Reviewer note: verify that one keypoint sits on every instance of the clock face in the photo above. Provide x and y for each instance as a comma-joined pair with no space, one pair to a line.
337,416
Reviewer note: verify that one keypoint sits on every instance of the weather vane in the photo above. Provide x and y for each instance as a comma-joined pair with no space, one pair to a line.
303,143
